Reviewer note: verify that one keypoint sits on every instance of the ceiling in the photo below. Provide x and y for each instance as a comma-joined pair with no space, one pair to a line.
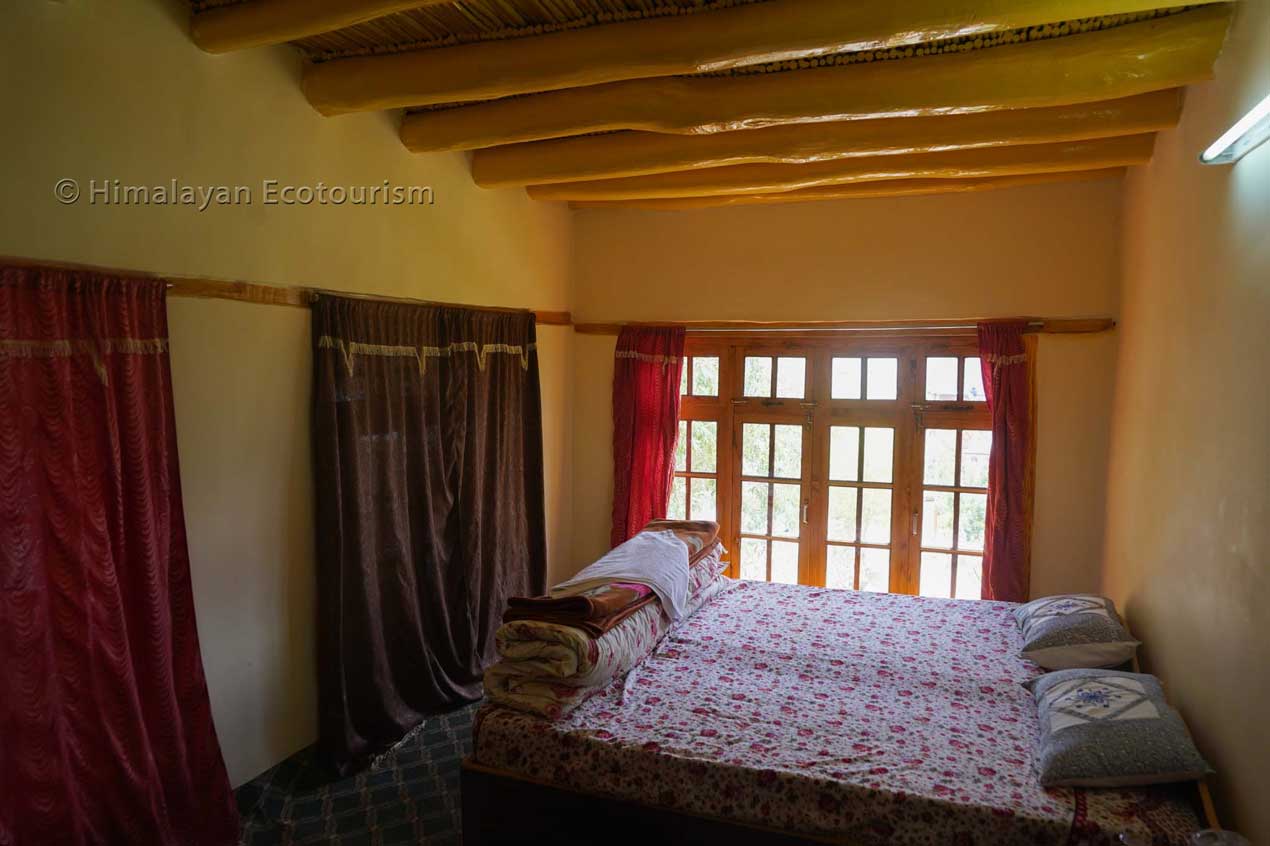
676,104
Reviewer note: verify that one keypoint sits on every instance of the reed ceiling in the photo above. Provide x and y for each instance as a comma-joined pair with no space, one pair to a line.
680,104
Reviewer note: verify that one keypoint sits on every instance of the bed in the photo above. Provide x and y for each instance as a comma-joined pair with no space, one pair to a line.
784,713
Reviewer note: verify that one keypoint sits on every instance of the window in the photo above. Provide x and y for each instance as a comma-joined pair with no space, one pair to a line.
700,376
694,489
955,445
771,494
860,496
849,462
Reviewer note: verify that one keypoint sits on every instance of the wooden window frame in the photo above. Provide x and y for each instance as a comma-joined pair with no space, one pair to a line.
958,415
706,408
909,414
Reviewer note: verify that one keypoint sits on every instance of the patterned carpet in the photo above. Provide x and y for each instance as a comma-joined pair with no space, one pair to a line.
410,795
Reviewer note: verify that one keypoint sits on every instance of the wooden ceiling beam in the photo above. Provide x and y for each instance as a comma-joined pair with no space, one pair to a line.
766,179
883,188
623,154
257,23
1165,52
753,33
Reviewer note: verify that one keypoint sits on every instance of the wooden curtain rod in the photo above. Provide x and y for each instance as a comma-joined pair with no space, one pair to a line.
1056,326
297,296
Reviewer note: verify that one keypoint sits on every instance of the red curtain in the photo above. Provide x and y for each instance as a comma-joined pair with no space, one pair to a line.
1007,541
646,372
106,732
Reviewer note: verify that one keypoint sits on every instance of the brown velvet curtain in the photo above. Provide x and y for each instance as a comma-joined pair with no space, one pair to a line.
427,430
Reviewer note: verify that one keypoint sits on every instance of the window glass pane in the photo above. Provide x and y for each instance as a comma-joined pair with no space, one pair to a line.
879,451
969,577
785,562
941,379
846,379
975,446
681,447
786,510
875,516
755,448
842,503
875,570
704,497
972,384
754,508
974,510
937,519
758,377
705,448
683,379
754,559
844,453
882,378
941,457
840,567
675,508
789,452
705,376
936,575
791,375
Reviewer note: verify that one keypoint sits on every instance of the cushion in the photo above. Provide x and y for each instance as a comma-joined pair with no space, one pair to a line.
1074,630
1102,728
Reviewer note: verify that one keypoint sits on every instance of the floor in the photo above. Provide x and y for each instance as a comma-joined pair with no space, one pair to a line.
410,795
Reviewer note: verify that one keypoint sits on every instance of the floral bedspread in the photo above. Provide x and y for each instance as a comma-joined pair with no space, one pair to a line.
867,718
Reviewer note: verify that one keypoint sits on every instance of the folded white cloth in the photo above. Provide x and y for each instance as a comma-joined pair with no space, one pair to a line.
656,559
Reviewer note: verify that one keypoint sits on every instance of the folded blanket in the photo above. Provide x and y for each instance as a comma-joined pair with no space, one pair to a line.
595,611
552,650
550,669
605,603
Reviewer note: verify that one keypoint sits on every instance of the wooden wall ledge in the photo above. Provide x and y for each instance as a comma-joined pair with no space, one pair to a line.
296,296
1052,326
299,296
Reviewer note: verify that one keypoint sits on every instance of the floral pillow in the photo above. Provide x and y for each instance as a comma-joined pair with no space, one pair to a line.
1073,631
1101,728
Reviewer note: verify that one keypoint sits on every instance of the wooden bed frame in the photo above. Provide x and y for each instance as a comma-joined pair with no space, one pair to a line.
504,807
501,807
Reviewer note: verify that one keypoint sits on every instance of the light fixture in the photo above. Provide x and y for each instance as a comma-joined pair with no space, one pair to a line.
1251,130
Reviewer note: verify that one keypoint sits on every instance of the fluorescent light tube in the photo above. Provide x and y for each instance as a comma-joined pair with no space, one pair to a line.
1251,130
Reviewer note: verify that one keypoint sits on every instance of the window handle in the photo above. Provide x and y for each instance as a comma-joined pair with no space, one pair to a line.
916,519
804,513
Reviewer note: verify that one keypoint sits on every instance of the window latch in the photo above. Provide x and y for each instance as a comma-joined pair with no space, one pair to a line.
916,520
805,506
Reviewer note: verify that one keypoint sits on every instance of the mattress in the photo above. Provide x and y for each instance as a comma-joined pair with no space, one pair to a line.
866,718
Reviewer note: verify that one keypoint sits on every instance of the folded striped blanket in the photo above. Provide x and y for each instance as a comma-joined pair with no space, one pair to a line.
595,611
549,669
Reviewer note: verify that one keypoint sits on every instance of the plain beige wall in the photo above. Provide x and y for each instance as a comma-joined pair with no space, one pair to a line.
1051,251
1188,542
109,90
